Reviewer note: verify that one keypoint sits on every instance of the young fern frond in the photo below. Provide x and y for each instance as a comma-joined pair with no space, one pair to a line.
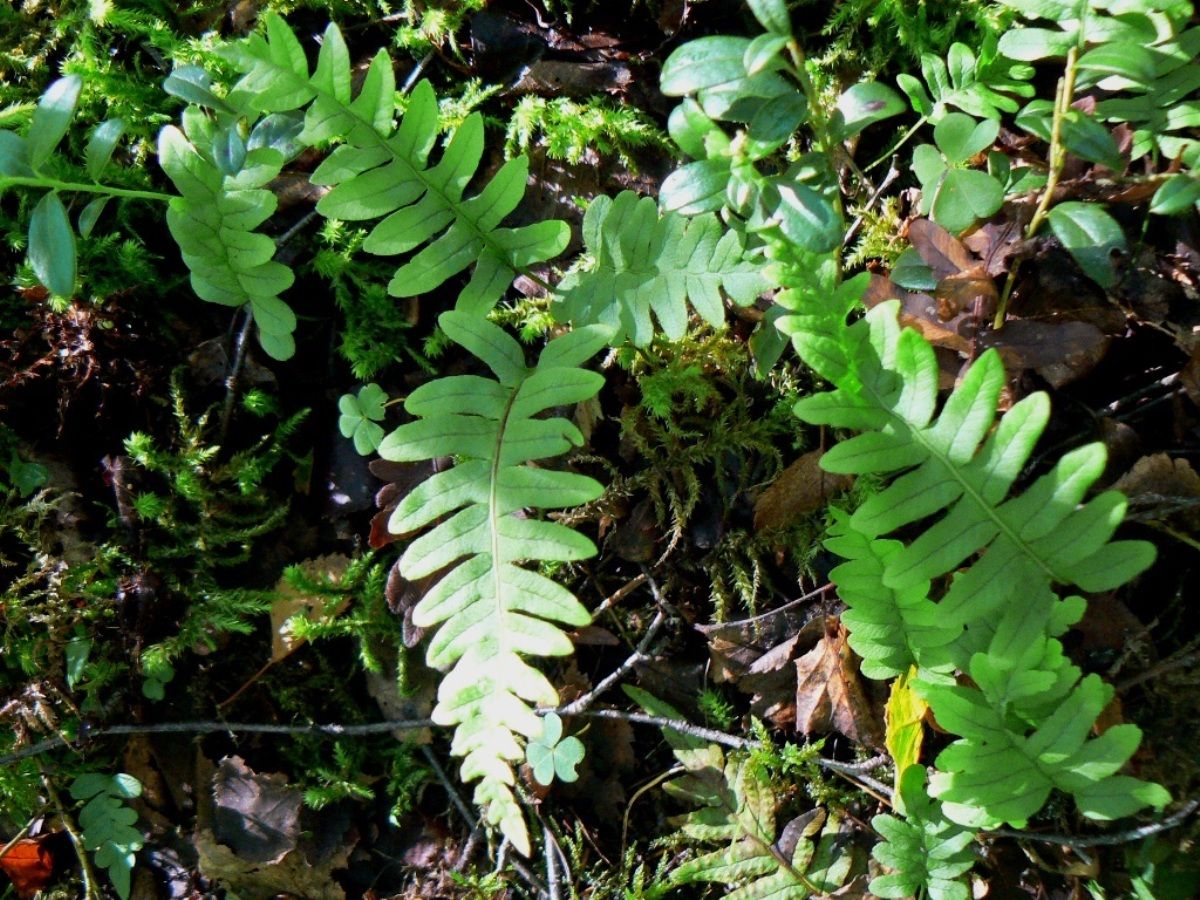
1025,723
958,464
222,200
736,808
655,263
927,851
382,171
492,611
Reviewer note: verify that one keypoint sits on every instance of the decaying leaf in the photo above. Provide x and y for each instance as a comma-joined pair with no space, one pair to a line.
255,845
29,864
1060,352
293,602
829,693
800,489
905,715
1159,487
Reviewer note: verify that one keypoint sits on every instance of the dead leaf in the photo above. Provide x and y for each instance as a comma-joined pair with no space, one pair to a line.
1159,487
920,312
800,489
29,864
829,694
256,816
1060,352
938,248
315,608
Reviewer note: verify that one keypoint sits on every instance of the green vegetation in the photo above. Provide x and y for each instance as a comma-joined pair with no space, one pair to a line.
644,442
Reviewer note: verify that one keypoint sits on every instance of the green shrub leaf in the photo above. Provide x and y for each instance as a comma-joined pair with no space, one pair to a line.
52,246
1091,236
52,117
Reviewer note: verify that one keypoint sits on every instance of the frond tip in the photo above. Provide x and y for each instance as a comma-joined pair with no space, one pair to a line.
492,611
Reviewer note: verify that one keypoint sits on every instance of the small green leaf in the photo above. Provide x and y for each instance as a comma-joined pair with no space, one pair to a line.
27,477
689,127
52,246
695,188
964,196
1091,236
193,84
763,53
90,214
913,273
703,63
77,651
551,756
772,15
14,155
865,103
808,219
1034,44
360,415
52,118
101,145
1176,195
960,137
1127,60
1088,139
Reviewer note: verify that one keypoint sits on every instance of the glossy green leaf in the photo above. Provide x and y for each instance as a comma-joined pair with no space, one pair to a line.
101,145
964,196
808,219
865,103
1088,139
695,188
1130,61
772,15
960,137
52,117
1034,44
90,215
706,62
1176,195
1091,236
52,246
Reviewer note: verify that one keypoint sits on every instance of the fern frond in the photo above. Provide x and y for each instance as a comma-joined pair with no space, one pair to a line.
955,462
382,171
492,611
213,221
655,263
928,852
737,809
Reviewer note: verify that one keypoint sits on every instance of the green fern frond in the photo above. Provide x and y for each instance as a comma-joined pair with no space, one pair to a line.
928,852
736,808
655,263
213,221
957,463
492,611
382,171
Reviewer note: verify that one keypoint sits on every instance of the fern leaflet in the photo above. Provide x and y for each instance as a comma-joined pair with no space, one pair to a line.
492,611
928,852
888,385
655,263
382,171
222,200
737,810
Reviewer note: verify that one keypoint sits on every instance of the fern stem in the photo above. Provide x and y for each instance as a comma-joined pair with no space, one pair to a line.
1058,156
87,873
904,139
55,184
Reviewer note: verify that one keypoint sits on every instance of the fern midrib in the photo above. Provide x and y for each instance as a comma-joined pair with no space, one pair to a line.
418,174
494,515
968,489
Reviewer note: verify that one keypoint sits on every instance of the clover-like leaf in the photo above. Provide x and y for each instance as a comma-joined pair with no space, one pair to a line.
360,417
553,756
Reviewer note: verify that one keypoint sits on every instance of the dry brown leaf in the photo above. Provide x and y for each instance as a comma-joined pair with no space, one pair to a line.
829,693
938,248
293,602
800,489
1060,352
1159,487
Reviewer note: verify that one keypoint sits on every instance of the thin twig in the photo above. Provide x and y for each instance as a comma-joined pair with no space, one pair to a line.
548,848
85,862
581,703
619,594
893,173
777,610
12,842
234,376
459,804
1105,840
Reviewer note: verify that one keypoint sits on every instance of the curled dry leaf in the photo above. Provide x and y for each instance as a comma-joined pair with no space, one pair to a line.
1159,487
29,864
1060,352
800,489
315,608
829,692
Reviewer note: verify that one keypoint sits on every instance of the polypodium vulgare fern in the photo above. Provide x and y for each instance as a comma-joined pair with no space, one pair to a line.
1025,722
736,810
492,611
220,178
650,262
383,171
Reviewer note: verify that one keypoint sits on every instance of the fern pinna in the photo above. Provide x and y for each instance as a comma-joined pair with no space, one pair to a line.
380,171
1024,725
491,610
650,262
